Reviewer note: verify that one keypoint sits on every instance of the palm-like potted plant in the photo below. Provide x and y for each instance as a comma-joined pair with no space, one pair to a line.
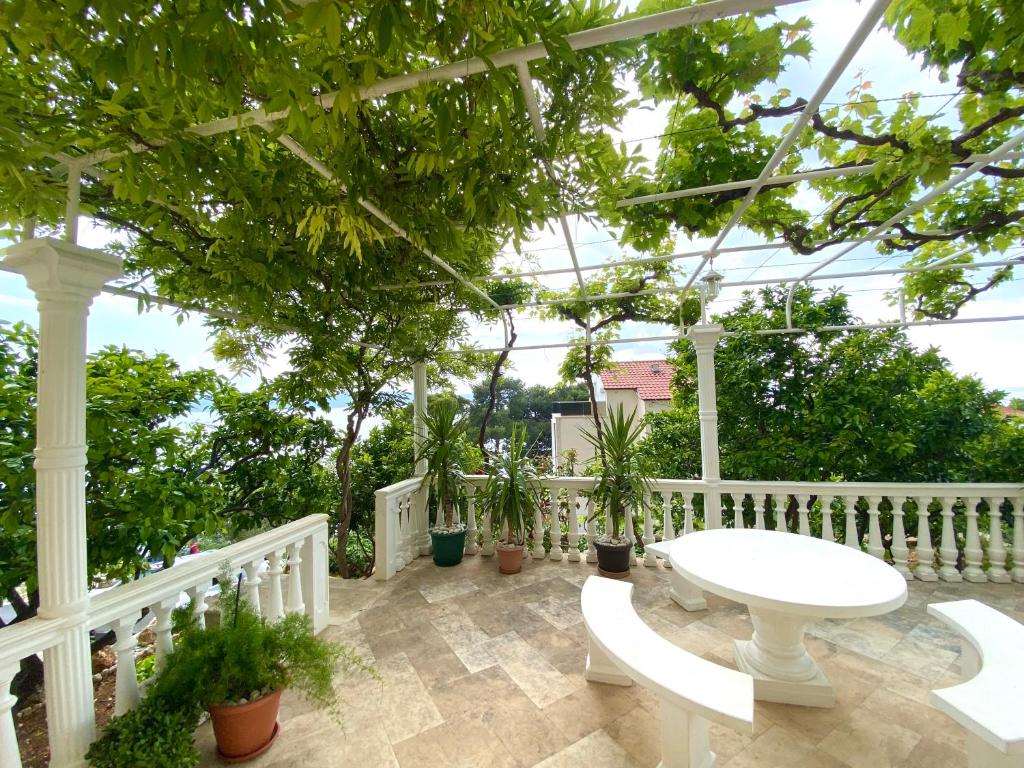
622,484
442,451
511,495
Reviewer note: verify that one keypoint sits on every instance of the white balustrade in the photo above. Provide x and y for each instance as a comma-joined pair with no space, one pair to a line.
126,683
996,546
803,513
851,538
972,550
827,534
948,551
925,570
252,583
575,502
760,510
487,536
538,535
556,524
399,509
1018,540
875,546
899,539
649,559
471,546
668,526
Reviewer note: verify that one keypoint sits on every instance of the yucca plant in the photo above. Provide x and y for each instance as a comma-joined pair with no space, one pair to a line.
442,452
622,480
512,492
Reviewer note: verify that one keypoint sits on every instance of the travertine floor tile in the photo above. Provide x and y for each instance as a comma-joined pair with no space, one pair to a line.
598,750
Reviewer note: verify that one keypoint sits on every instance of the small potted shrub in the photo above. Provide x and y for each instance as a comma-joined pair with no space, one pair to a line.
621,484
442,451
236,670
511,495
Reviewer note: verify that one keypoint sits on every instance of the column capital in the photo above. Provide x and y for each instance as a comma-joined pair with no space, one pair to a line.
54,267
705,335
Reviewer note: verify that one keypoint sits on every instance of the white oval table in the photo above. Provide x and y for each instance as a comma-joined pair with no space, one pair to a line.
787,581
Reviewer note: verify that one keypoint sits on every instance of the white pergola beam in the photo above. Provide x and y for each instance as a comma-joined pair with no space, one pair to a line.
577,41
1005,148
789,178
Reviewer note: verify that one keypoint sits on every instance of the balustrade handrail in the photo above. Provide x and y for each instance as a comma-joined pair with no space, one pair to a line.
142,593
30,636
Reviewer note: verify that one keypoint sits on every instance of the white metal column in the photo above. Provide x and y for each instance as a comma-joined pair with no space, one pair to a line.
65,278
704,337
419,437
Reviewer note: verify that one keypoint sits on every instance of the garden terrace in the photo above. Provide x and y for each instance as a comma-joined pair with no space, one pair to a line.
340,187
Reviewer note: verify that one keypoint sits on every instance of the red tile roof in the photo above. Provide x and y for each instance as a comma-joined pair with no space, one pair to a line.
1008,412
650,378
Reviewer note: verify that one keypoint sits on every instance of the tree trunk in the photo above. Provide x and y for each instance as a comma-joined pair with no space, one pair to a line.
589,381
495,375
343,469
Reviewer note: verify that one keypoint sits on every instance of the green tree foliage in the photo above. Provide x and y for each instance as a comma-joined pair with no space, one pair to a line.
153,480
719,80
827,405
517,404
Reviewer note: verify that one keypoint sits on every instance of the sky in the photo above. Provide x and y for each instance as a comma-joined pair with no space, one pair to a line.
990,351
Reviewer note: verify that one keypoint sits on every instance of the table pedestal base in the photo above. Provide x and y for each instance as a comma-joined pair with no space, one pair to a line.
776,658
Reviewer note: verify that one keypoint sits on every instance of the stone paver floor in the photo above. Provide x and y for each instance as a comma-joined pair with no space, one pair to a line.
482,670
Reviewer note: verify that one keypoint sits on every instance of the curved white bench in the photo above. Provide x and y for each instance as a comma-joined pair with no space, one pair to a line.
692,690
990,704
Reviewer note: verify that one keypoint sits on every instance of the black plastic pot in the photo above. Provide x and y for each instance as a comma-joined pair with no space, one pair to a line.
448,547
613,559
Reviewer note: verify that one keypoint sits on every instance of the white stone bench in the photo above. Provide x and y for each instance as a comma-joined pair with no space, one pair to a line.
693,691
990,703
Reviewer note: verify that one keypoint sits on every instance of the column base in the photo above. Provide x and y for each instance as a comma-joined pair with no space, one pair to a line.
816,692
596,672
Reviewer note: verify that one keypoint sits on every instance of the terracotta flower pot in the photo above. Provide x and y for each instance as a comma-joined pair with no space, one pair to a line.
613,559
245,731
510,558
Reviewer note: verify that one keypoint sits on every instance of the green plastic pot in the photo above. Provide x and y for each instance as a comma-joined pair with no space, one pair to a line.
448,547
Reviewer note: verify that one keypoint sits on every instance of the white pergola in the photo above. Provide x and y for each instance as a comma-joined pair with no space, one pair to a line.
66,277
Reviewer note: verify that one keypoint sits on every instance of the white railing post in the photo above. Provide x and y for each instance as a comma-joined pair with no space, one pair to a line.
948,549
126,683
556,524
197,596
1018,539
925,550
687,513
10,755
275,607
898,548
760,511
704,338
591,531
827,534
972,548
649,559
573,535
295,601
538,534
163,642
803,514
488,535
851,537
252,584
471,545
383,538
669,527
996,546
875,546
314,578
65,279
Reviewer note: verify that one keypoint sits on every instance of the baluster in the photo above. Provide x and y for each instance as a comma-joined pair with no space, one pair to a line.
573,500
803,514
538,532
197,596
126,683
556,524
275,609
163,641
1018,539
852,540
405,529
760,511
10,755
996,546
471,546
487,550
899,539
295,604
925,550
827,534
591,531
875,546
972,548
669,530
687,513
252,583
630,536
737,510
649,559
947,549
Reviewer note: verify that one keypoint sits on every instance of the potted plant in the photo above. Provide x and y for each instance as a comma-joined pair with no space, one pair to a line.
621,484
235,669
511,495
442,451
